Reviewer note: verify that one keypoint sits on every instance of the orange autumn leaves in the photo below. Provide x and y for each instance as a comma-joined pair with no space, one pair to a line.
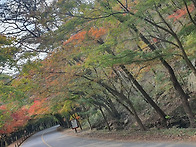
77,37
93,33
96,33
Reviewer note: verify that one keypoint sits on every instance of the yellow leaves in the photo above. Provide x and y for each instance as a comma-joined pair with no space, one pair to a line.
128,4
143,46
74,116
140,70
66,106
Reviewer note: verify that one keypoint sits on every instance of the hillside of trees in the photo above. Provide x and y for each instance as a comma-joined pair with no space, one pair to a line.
110,64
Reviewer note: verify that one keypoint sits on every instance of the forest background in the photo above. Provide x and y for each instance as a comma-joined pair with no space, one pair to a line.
116,65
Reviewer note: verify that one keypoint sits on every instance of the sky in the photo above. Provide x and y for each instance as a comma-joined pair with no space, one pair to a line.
40,56
2,1
12,71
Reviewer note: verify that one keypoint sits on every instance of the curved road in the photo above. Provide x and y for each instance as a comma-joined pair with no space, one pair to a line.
52,138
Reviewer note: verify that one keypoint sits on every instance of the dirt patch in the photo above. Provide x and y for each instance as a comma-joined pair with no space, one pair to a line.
151,135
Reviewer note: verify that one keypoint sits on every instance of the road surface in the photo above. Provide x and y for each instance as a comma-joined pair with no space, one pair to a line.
52,138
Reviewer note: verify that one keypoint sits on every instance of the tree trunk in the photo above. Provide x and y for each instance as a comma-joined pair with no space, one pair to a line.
185,57
113,108
171,32
87,116
116,93
146,96
67,122
2,142
194,2
109,106
189,13
138,120
143,92
105,118
126,107
61,120
139,87
88,120
107,109
124,98
131,111
184,97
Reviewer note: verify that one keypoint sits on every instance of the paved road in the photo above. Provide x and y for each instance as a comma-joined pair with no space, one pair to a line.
51,138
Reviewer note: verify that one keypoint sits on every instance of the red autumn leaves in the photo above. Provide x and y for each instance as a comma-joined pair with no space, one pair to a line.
180,13
19,118
14,120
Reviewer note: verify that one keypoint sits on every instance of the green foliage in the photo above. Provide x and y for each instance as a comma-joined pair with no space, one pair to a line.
187,30
1,118
4,78
10,94
7,51
167,117
30,66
